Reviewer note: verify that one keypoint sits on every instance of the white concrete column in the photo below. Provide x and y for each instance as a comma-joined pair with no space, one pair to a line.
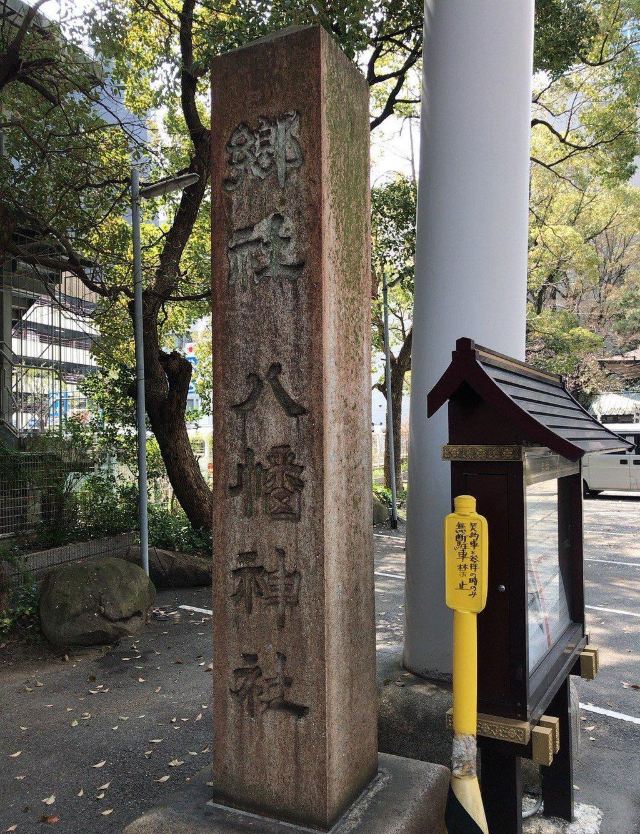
470,260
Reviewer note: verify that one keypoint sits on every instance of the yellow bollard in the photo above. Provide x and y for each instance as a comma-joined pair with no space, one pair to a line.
466,564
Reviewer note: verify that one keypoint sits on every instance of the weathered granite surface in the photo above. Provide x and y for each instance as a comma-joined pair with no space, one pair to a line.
295,706
406,797
98,601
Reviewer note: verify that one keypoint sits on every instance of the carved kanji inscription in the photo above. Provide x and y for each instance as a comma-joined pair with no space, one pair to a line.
279,587
256,383
275,487
265,251
260,692
272,147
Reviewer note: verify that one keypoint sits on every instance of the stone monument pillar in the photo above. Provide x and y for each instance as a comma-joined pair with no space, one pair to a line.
295,704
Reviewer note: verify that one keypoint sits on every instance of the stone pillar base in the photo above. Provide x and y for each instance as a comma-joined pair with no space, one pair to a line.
406,797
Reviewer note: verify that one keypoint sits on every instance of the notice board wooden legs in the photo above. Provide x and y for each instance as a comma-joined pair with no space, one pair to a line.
501,787
557,779
501,776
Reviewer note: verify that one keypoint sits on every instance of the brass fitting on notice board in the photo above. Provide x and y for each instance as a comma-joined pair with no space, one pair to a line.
589,662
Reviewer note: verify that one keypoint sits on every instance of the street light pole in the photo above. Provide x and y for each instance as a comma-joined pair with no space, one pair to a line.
141,410
145,192
390,434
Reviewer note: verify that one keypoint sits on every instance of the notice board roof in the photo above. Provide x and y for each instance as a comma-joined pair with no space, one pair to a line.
535,401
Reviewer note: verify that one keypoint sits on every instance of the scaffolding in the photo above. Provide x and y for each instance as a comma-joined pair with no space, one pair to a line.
46,336
45,349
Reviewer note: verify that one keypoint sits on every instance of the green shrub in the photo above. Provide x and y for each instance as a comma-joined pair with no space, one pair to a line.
173,531
105,507
382,493
22,602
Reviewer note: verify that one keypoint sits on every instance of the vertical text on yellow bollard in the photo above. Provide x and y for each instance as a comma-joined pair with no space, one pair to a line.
466,565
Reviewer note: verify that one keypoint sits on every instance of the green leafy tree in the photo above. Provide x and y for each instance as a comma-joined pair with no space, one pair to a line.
69,142
393,215
158,57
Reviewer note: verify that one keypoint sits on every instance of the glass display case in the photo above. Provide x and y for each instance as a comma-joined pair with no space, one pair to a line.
547,596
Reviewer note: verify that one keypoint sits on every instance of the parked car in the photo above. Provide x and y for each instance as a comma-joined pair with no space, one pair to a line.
615,470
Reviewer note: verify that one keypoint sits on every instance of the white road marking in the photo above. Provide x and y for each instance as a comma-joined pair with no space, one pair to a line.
390,575
611,562
613,610
197,610
619,715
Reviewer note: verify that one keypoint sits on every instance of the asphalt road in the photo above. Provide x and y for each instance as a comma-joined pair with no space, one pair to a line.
143,708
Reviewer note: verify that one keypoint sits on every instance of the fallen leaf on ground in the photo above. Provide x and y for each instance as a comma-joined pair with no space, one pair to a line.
24,728
15,755
50,799
39,683
74,723
155,740
162,779
51,819
107,812
20,778
104,787
198,717
101,795
11,828
176,763
100,764
628,685
80,792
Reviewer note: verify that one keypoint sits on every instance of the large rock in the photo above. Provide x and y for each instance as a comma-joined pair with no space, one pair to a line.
97,601
170,569
380,511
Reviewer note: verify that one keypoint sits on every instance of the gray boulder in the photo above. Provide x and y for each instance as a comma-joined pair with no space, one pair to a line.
170,569
97,601
380,511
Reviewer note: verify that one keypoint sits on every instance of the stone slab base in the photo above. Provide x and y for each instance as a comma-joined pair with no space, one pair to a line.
587,821
411,717
407,797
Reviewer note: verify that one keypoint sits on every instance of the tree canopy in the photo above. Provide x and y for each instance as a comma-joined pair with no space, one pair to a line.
71,122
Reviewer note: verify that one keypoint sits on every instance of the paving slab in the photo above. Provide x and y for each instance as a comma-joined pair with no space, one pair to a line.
406,797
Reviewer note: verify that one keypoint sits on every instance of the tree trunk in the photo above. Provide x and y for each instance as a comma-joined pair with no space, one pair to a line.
400,365
167,378
397,384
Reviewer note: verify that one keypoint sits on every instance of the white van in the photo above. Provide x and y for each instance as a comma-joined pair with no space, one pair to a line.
615,470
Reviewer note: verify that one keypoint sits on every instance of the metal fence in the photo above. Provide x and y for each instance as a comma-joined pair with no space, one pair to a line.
377,454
